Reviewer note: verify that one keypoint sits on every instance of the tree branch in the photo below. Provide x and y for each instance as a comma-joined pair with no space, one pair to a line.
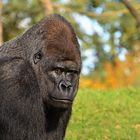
107,14
133,11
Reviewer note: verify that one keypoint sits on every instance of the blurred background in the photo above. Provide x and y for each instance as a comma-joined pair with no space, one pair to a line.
108,104
108,32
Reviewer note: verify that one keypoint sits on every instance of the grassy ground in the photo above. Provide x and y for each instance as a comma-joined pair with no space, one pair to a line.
105,115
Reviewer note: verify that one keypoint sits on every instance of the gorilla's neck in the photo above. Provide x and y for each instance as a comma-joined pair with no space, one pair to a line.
56,122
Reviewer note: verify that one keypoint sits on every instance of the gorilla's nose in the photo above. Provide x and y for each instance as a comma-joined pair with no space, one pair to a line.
65,85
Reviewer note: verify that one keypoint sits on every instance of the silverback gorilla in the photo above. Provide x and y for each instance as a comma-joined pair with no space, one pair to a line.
39,76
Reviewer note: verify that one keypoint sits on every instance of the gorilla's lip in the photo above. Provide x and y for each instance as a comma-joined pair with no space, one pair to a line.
63,100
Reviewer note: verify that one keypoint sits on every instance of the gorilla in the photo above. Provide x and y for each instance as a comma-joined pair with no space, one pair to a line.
39,78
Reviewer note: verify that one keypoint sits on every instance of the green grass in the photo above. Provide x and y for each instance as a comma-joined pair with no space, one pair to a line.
105,115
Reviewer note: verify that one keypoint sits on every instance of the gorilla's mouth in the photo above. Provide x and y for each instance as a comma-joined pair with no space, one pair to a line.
61,100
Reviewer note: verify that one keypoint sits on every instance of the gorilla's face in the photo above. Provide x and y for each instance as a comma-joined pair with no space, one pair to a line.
59,74
62,81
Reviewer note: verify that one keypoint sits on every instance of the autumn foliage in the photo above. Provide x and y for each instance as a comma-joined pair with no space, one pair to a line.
119,74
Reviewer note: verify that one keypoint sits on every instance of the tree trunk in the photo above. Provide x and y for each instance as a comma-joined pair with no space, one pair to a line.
48,6
1,38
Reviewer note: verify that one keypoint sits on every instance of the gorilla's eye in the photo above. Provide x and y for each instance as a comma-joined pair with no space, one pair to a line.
58,71
37,57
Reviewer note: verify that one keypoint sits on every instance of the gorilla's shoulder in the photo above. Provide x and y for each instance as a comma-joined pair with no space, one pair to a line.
16,76
11,64
14,68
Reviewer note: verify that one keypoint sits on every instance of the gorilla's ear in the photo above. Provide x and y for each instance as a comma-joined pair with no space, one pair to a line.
37,57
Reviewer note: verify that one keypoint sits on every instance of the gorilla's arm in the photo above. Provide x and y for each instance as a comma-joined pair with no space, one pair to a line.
21,109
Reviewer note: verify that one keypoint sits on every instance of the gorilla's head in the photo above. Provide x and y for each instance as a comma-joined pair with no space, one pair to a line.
57,61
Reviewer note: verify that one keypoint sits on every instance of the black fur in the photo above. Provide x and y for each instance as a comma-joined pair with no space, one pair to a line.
26,112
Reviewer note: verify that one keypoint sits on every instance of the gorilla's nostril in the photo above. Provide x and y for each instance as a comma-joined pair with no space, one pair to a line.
63,87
